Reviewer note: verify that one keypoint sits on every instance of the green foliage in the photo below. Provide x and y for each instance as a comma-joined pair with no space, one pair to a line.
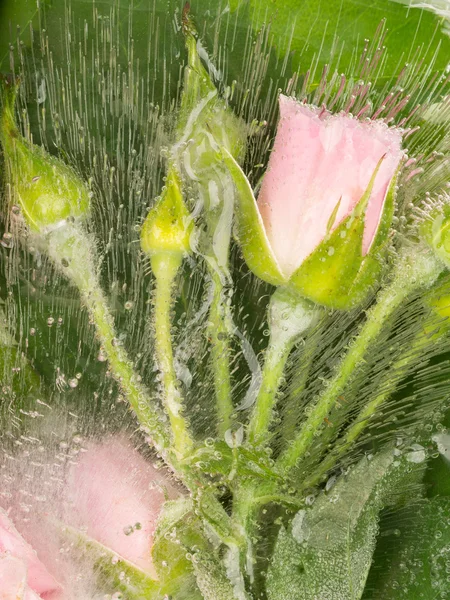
305,33
312,31
417,560
171,547
327,550
203,547
188,566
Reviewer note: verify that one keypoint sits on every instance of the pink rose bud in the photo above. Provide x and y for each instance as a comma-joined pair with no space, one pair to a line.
326,204
116,497
12,545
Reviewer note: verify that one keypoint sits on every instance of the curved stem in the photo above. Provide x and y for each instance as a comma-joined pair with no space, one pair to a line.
289,317
70,249
164,277
219,334
411,272
120,365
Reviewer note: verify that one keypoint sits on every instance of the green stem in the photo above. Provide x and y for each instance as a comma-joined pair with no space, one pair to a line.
165,271
412,271
70,249
293,410
399,370
274,364
94,300
289,318
219,336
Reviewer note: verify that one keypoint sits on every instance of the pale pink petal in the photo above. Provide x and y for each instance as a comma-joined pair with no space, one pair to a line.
116,497
13,580
318,160
11,542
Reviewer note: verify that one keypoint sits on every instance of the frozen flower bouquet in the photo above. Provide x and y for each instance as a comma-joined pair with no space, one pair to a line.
224,332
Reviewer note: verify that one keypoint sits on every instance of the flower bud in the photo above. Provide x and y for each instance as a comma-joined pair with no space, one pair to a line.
436,230
205,119
47,189
323,215
167,229
205,124
437,299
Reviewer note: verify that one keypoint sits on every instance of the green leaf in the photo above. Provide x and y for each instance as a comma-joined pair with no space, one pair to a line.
113,571
419,563
327,552
311,32
438,477
170,549
188,566
220,459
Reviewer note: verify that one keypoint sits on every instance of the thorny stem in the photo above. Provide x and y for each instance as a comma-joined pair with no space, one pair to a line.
164,277
412,271
219,336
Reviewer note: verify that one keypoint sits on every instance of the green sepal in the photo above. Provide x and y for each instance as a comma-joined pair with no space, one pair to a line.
174,536
197,81
372,265
250,230
326,276
436,232
381,238
168,226
187,564
205,123
113,572
336,274
202,111
47,190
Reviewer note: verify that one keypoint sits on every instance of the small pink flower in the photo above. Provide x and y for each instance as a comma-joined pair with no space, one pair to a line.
320,160
110,492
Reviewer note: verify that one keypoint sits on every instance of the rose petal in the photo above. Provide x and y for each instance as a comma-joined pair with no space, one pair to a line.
39,579
116,497
13,580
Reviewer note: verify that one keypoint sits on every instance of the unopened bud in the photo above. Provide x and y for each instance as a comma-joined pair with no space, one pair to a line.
167,229
47,189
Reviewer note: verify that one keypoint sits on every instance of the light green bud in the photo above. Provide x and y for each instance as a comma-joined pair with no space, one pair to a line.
47,190
167,229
